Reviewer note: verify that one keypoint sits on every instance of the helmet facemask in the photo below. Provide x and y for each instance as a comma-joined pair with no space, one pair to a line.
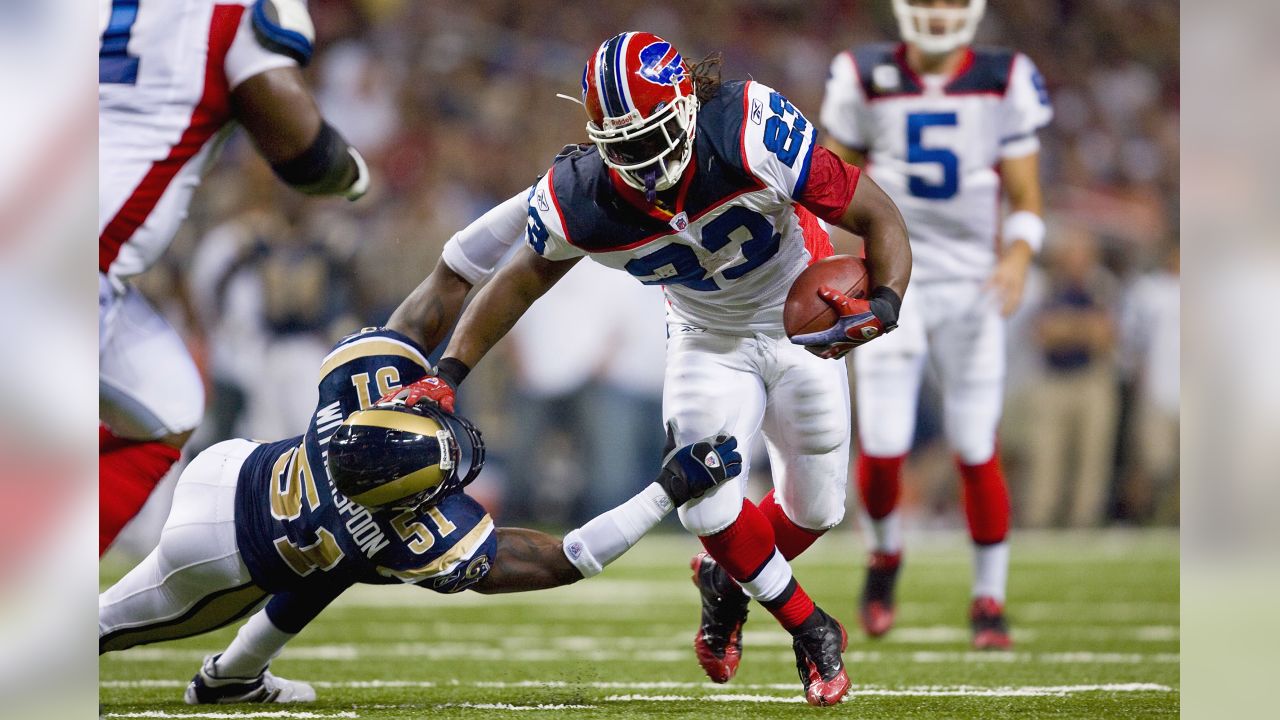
938,30
650,154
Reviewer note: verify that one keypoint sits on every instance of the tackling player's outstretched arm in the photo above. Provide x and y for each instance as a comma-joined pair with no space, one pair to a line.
533,560
429,311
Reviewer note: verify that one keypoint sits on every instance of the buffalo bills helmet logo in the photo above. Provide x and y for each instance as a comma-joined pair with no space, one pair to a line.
661,64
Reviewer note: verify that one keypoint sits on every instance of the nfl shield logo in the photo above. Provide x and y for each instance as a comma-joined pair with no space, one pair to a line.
680,222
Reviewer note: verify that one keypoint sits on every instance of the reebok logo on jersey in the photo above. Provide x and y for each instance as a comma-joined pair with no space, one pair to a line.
542,201
885,78
757,111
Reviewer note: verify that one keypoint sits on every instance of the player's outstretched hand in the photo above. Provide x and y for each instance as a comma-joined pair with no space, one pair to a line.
692,470
431,389
859,321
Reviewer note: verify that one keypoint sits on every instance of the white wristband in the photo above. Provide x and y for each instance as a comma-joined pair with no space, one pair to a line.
360,185
1026,226
576,550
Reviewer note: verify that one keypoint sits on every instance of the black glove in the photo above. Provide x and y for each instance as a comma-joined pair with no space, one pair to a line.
690,471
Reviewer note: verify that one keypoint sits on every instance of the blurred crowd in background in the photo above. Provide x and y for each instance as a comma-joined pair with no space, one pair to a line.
455,107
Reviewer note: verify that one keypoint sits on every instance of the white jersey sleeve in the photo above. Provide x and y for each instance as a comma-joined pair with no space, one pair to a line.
476,250
843,103
777,141
544,228
247,57
1026,109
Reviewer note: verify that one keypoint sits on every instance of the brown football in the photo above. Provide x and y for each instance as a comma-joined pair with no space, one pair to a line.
805,312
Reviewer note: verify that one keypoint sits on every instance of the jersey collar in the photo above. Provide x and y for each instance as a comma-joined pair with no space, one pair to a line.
637,199
900,56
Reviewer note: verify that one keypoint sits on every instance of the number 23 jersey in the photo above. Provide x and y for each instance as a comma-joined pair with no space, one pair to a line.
935,144
735,239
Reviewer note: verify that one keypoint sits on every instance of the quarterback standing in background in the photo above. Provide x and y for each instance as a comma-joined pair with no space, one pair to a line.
173,79
712,190
943,127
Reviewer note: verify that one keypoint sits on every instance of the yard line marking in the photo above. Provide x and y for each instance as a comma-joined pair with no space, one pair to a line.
911,690
264,714
464,651
940,691
731,697
508,706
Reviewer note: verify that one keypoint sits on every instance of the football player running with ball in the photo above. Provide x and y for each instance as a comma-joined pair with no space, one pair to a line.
371,493
712,190
942,126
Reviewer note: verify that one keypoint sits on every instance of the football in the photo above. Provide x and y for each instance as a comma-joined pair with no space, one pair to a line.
805,312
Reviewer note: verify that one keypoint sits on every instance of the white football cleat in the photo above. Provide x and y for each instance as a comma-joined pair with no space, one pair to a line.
207,688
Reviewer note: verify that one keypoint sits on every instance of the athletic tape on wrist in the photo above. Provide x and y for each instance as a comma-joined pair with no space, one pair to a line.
576,551
1026,226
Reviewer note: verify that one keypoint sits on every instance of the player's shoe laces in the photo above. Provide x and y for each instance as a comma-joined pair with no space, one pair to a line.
818,644
990,631
718,643
875,608
208,688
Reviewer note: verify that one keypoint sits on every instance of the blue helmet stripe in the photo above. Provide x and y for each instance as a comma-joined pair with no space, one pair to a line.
614,104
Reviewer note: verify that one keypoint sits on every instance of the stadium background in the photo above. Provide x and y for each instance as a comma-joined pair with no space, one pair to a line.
454,106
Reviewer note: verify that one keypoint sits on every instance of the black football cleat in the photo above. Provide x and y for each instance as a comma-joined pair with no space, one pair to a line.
990,630
818,644
876,607
718,643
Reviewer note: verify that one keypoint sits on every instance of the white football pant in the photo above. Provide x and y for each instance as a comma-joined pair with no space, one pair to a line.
956,326
745,385
148,385
194,581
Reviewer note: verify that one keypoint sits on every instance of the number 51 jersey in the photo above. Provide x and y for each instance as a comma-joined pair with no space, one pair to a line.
935,144
735,239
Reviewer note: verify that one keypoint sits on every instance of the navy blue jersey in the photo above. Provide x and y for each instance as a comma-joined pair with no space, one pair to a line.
296,532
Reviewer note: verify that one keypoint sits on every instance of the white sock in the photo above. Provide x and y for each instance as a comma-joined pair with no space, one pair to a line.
883,535
605,537
772,579
991,570
253,649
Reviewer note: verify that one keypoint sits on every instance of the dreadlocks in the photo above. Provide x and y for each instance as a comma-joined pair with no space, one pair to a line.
706,77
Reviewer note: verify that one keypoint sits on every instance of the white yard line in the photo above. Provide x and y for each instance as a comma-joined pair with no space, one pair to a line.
914,690
260,714
508,706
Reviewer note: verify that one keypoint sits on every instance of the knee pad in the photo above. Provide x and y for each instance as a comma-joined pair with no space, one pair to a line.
714,511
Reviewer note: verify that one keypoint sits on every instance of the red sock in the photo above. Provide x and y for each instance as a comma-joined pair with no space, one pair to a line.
880,483
790,537
128,470
986,501
744,550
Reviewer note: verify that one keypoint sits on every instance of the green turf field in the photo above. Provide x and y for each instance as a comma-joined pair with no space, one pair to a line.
1095,627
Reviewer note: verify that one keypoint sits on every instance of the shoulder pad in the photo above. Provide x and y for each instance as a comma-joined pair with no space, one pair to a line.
284,26
990,72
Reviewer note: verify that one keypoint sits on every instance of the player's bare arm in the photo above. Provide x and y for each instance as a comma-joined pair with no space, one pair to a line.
872,215
280,114
844,152
429,311
528,560
1022,185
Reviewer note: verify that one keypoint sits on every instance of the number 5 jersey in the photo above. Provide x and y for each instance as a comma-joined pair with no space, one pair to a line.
935,143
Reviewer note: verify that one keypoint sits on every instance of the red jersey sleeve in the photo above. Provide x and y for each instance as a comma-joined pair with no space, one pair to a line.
830,185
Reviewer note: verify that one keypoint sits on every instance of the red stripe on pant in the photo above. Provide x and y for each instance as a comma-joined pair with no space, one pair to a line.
128,470
880,483
744,549
986,501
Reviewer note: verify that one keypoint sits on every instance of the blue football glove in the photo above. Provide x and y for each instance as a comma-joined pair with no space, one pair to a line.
692,470
860,321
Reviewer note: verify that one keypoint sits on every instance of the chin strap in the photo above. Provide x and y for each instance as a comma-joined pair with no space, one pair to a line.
650,186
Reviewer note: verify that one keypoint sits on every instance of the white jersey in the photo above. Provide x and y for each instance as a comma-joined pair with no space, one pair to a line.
736,240
935,144
166,69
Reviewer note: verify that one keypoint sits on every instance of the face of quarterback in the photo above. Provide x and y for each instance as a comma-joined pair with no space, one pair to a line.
937,27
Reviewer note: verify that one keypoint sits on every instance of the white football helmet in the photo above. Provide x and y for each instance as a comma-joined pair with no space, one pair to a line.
935,29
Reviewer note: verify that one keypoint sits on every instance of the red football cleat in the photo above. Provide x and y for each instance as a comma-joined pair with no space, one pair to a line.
876,608
718,643
818,646
990,630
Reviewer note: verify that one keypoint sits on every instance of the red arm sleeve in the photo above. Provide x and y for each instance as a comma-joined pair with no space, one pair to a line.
830,185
